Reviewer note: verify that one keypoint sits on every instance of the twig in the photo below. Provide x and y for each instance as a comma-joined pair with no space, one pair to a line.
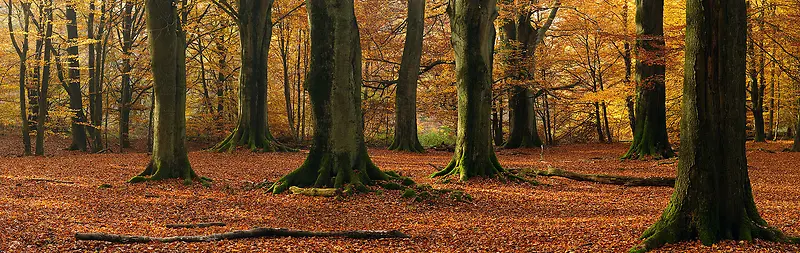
240,234
50,180
196,225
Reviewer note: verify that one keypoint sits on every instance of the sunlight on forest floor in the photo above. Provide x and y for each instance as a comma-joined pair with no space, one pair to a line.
561,216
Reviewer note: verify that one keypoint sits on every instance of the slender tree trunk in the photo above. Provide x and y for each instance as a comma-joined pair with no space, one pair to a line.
283,45
626,56
126,86
167,40
472,25
95,91
597,122
796,144
497,121
338,157
252,129
609,138
650,137
713,200
77,128
405,130
22,53
44,82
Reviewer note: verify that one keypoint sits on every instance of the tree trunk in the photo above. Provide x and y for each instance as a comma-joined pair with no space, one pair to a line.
126,86
22,53
252,129
77,129
405,130
167,41
497,121
796,144
472,38
713,200
650,130
338,157
44,81
523,120
95,89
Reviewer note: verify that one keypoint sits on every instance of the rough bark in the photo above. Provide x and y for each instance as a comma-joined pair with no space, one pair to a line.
713,200
650,130
242,234
168,63
472,38
254,19
338,157
405,130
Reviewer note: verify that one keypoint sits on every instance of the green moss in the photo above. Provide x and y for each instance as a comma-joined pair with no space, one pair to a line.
392,173
104,186
392,186
137,179
425,195
409,193
408,182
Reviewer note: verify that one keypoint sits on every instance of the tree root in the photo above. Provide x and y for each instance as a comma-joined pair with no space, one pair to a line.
240,234
256,143
606,179
407,145
151,173
50,180
321,192
327,170
196,225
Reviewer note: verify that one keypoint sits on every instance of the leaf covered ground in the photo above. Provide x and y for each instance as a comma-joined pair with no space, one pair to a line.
562,216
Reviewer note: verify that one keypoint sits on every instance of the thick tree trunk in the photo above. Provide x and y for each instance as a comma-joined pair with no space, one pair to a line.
650,130
125,96
168,62
338,157
405,130
523,120
44,81
77,127
252,128
472,38
713,200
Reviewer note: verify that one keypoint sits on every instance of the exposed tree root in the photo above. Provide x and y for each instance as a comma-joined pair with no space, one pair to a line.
196,225
240,234
50,180
181,171
255,142
671,229
607,179
491,168
327,170
407,145
321,192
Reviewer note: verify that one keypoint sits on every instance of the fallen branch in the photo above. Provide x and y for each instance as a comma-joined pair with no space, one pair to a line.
323,192
196,225
50,180
607,179
240,234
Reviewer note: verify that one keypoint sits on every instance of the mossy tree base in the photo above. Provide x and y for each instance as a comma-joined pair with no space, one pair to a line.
490,168
646,148
254,141
162,171
329,170
675,227
408,145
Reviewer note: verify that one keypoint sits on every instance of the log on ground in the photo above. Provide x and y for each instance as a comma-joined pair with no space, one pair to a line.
241,234
608,179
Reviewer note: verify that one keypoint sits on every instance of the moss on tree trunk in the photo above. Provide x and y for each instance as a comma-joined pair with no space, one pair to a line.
713,200
650,128
405,131
252,128
338,157
168,62
472,38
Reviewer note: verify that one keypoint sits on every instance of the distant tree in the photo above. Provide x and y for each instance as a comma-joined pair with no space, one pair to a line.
650,130
405,130
44,79
254,20
338,157
713,199
21,47
167,41
472,25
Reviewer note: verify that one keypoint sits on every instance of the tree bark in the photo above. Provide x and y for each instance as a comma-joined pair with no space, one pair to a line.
22,52
338,157
167,41
95,86
44,81
796,143
608,179
405,130
713,200
650,137
126,86
77,126
254,20
472,38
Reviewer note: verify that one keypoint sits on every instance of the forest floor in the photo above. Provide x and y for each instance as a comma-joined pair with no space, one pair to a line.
561,216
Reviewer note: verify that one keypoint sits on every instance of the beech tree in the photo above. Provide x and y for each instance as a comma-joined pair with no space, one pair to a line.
713,199
405,130
167,41
21,48
650,130
472,25
254,19
77,127
338,157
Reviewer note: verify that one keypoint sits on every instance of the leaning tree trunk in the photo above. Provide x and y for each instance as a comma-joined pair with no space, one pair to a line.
252,129
77,127
713,200
338,157
472,38
168,62
650,130
405,131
